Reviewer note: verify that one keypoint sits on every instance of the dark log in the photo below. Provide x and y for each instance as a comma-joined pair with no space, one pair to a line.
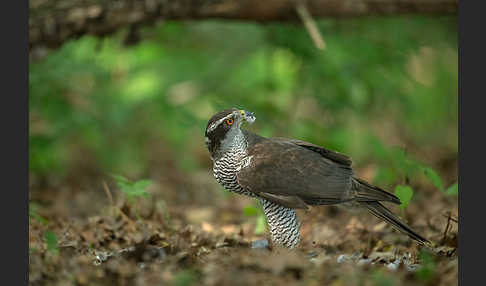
52,22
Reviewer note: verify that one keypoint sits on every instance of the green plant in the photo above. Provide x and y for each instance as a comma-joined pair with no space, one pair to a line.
434,177
426,272
452,190
403,167
51,242
33,207
405,194
253,211
133,190
50,239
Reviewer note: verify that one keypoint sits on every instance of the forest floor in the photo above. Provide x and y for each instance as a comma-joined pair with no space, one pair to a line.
90,235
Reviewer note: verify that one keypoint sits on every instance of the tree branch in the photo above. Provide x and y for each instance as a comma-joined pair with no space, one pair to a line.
51,22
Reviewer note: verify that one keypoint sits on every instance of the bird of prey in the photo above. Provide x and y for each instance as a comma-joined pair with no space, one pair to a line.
288,174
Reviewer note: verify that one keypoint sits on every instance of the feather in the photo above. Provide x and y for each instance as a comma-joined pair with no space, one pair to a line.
385,214
368,192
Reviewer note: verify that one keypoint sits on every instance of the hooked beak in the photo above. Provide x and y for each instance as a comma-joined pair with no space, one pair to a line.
248,116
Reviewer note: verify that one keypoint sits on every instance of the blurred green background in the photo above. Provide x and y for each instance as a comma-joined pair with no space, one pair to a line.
384,92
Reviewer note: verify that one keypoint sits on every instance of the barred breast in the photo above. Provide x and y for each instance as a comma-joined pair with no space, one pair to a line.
225,169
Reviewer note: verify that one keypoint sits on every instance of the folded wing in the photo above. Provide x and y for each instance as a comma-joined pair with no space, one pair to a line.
295,173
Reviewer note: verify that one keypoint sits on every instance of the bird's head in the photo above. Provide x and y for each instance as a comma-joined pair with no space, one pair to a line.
224,126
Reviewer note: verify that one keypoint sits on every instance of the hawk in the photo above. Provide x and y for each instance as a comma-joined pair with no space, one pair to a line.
288,174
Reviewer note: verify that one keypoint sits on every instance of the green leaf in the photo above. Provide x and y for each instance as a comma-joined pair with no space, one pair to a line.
404,193
434,178
120,179
132,189
34,215
134,193
452,190
427,272
51,241
260,225
142,184
253,211
250,211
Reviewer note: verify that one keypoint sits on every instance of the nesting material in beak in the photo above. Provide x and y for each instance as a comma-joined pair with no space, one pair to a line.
248,116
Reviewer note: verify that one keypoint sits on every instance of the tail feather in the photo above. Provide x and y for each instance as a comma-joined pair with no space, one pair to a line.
384,213
369,193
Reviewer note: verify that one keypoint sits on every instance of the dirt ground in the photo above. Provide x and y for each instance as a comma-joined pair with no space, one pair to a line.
191,232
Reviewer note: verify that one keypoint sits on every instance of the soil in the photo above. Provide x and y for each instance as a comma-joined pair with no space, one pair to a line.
192,232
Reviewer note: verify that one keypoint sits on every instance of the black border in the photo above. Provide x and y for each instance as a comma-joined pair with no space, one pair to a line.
471,162
15,157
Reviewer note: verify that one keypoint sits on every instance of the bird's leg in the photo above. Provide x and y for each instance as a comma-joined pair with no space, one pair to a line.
283,223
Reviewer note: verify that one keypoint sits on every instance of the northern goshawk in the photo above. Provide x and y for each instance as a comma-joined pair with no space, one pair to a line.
288,174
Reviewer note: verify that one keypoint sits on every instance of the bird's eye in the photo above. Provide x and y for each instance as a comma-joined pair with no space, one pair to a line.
229,121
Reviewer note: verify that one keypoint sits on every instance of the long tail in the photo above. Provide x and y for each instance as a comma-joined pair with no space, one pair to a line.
369,193
384,213
370,197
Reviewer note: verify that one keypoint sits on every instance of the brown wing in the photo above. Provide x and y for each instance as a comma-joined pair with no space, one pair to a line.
287,173
329,154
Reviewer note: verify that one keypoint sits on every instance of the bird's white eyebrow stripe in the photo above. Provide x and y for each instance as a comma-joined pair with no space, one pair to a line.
215,124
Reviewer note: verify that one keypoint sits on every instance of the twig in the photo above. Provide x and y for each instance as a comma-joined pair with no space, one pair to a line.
108,193
447,227
114,210
310,25
449,216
